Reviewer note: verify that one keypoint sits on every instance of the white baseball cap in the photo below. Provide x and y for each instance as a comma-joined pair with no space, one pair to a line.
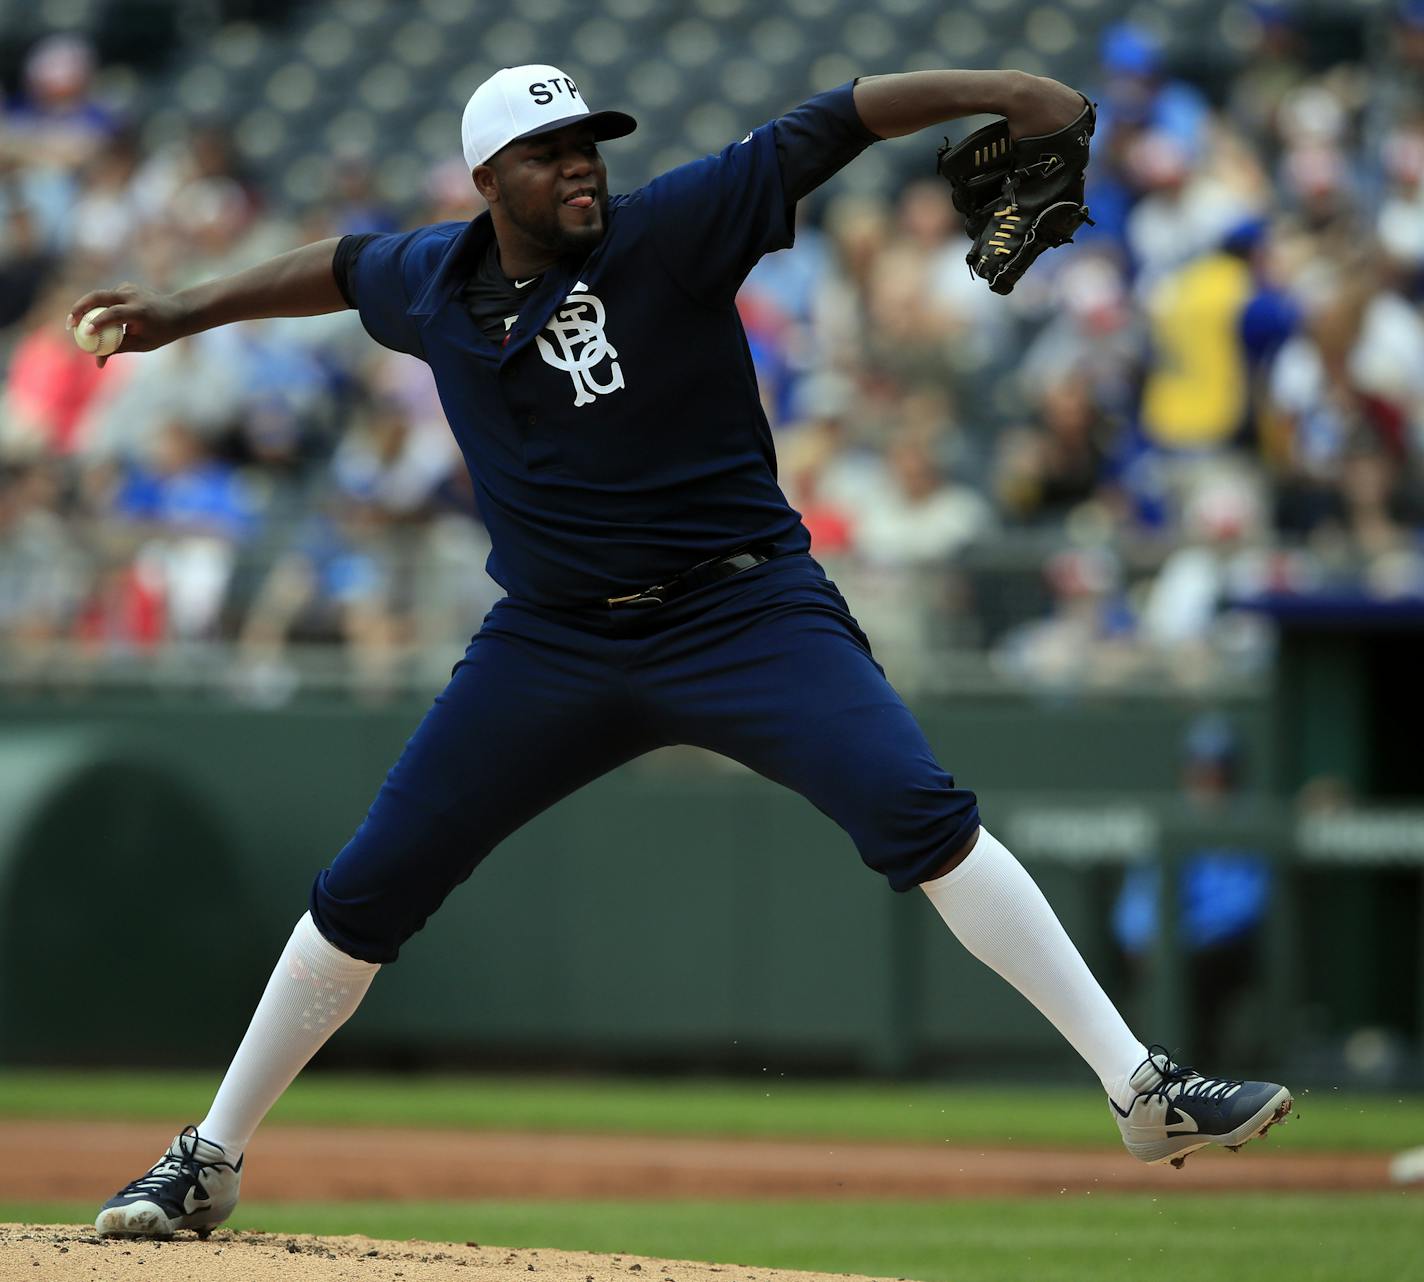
523,102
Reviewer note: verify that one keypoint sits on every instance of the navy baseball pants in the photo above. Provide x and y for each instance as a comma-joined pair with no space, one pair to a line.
767,667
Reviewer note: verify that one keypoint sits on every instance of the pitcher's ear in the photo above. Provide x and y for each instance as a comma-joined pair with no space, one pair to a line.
486,183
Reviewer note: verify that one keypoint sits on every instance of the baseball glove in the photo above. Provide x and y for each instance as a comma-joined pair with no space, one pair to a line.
1018,197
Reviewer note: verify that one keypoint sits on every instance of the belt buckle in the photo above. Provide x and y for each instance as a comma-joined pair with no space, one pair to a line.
647,597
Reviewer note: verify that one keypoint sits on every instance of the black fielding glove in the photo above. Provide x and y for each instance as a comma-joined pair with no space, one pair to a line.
1018,198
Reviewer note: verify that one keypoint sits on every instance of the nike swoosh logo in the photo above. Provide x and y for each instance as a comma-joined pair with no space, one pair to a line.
191,1203
1188,1123
520,284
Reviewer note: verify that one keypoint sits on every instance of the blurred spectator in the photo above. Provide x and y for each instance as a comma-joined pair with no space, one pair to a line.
1316,174
358,207
1137,91
1354,378
203,158
25,261
804,462
184,487
341,581
1088,637
1274,65
923,517
1222,894
1136,97
1094,334
1397,83
1047,471
1401,216
199,380
970,318
49,384
450,195
1184,612
858,230
777,304
1197,392
43,569
212,215
193,510
850,466
1185,210
107,211
56,115
389,462
124,613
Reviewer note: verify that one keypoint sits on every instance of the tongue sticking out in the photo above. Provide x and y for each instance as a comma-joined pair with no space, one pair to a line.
580,202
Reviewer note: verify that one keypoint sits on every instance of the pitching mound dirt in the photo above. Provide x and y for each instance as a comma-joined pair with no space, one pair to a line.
59,1253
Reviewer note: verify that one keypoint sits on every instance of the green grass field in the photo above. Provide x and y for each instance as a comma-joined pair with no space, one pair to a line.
1087,1238
1327,1119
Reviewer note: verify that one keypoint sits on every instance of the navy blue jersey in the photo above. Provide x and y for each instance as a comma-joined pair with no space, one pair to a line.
617,436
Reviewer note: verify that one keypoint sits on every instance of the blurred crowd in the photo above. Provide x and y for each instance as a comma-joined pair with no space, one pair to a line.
1214,398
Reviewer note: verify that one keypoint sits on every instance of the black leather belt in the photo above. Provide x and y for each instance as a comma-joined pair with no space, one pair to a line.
699,576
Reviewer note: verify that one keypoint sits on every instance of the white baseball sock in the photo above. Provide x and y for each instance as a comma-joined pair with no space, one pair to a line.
313,991
997,912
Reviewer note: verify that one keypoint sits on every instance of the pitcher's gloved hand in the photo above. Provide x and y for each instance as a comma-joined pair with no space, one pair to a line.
1018,196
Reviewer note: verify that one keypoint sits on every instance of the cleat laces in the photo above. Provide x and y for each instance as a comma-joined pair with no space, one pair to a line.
1181,1081
185,1162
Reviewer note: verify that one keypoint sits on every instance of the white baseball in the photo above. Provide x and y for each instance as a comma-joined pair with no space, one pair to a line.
101,342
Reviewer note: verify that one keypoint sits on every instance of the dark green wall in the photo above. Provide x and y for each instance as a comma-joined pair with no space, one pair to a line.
679,911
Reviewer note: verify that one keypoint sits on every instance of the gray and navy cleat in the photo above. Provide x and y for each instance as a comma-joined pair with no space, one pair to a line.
1176,1110
192,1186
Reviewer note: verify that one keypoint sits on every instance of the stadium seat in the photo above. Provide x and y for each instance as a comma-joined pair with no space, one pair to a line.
381,74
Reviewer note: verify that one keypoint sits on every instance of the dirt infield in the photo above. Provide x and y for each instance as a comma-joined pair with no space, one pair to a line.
49,1161
62,1253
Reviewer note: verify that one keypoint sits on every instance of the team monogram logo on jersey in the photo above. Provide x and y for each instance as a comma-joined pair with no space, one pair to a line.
576,343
